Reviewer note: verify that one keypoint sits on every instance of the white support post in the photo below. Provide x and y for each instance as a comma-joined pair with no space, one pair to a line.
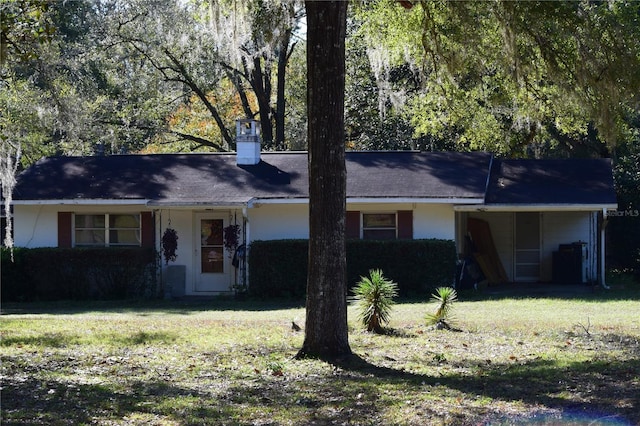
602,250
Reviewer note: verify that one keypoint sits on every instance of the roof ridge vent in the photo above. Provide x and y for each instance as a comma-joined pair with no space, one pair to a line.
247,142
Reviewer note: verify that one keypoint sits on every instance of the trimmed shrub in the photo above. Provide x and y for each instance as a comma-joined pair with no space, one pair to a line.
46,274
279,268
418,266
12,274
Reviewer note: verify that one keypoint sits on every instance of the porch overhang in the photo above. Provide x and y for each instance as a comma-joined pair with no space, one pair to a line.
83,202
534,207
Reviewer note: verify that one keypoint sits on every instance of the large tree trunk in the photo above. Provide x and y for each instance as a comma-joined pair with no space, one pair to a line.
326,334
261,84
283,59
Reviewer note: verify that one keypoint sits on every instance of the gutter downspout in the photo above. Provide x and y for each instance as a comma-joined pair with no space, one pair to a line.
245,219
603,225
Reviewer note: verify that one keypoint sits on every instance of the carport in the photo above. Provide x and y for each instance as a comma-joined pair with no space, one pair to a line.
542,221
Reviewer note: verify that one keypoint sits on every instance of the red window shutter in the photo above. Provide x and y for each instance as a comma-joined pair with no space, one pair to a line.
64,229
405,224
353,224
147,229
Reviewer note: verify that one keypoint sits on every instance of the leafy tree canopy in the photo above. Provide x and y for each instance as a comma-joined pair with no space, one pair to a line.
24,24
88,77
516,78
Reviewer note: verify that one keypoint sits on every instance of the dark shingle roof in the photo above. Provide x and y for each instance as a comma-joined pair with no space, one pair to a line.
417,174
551,182
215,178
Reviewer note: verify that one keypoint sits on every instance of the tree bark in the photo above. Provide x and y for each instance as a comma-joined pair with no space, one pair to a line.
326,334
283,59
261,84
236,78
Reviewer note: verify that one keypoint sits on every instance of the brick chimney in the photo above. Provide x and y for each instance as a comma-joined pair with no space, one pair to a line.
247,142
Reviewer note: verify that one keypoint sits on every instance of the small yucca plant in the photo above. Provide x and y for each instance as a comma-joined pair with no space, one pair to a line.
445,297
373,295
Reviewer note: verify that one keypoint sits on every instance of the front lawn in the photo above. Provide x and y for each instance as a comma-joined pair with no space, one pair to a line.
516,360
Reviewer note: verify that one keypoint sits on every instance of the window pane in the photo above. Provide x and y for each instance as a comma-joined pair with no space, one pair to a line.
384,220
211,232
379,234
124,221
89,237
90,221
124,237
212,260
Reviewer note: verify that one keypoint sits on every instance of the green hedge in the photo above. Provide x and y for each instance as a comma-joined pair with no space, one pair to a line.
279,268
44,274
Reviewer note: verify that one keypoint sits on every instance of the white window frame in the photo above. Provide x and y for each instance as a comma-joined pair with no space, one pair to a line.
107,229
394,228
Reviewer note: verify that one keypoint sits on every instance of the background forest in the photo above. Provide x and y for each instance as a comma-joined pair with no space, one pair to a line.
520,79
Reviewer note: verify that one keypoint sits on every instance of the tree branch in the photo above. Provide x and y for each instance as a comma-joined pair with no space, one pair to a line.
201,141
235,78
202,96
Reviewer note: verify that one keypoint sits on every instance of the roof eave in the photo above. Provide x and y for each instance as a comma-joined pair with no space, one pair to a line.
373,200
196,204
417,200
534,207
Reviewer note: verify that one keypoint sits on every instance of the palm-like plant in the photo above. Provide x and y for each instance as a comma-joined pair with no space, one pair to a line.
445,297
373,296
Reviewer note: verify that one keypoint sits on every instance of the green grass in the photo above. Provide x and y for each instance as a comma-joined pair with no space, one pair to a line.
516,361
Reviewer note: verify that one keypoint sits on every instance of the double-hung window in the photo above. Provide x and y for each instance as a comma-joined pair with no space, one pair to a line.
106,230
379,226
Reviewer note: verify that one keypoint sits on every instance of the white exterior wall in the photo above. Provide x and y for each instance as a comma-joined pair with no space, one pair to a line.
35,226
182,222
278,221
285,221
429,220
434,221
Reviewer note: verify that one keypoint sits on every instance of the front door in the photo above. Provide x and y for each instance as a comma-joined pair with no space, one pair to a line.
212,263
527,247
